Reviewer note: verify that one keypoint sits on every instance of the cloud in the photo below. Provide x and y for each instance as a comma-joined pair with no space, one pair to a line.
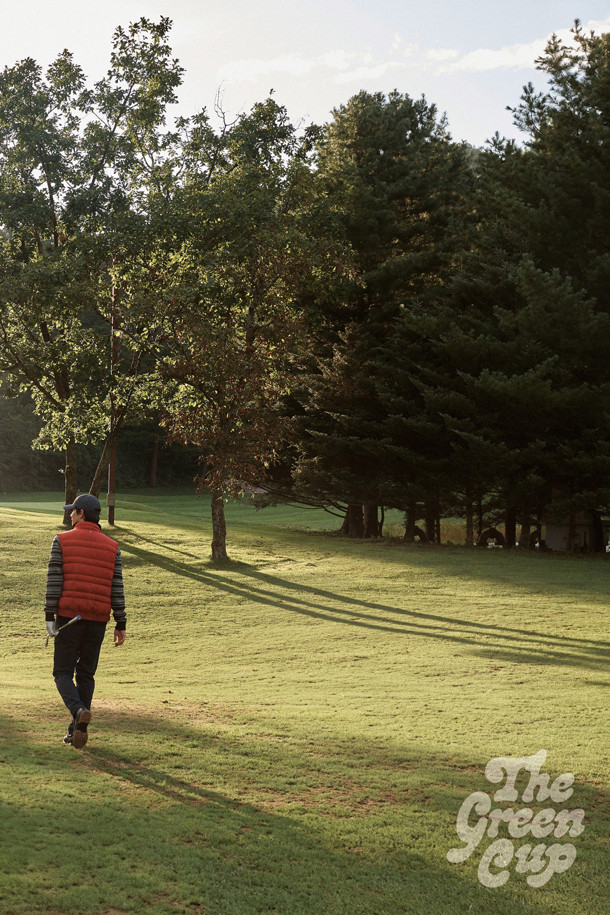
251,69
513,57
336,60
364,73
597,25
442,54
346,67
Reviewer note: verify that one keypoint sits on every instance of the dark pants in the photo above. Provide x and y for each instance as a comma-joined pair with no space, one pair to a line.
77,652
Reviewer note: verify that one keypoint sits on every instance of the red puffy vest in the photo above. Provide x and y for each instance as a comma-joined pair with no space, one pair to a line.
89,558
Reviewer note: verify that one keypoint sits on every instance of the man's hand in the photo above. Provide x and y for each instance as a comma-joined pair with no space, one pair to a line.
119,637
52,628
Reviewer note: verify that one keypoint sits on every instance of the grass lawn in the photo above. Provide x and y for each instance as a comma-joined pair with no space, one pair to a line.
297,731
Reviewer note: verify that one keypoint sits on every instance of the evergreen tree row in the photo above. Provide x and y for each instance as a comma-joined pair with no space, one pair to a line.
468,373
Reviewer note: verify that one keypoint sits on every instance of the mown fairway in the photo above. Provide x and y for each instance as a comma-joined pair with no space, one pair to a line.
296,732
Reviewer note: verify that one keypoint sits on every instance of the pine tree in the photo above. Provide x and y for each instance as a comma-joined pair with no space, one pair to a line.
397,184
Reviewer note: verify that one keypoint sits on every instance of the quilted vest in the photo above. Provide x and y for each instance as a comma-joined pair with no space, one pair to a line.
88,565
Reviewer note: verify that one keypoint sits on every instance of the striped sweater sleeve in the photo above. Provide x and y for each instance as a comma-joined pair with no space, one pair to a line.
117,596
55,579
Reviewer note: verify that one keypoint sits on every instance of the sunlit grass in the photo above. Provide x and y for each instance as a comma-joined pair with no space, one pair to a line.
295,732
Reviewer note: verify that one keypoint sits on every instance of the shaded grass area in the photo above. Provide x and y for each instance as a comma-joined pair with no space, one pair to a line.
295,732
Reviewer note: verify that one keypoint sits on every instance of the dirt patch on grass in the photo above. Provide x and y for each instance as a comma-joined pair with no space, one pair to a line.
336,801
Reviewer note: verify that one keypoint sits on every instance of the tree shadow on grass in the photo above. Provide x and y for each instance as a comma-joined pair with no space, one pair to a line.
112,831
520,645
109,830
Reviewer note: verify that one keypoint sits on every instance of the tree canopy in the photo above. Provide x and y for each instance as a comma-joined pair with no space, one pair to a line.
360,315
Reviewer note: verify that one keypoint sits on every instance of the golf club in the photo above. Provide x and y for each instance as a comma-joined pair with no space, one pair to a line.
65,625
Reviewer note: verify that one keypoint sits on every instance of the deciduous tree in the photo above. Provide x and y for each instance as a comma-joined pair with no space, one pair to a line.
234,289
74,166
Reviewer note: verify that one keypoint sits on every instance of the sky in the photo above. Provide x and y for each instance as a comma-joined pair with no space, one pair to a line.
471,58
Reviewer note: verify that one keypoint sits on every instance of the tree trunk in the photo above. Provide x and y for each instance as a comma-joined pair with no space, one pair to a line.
480,518
114,425
219,528
111,498
598,544
355,521
526,528
154,463
371,520
70,490
469,517
430,520
101,471
510,526
571,533
410,519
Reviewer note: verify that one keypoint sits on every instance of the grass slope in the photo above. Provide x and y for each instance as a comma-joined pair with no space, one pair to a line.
295,732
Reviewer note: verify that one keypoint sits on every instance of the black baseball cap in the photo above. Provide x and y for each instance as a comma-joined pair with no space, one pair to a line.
88,504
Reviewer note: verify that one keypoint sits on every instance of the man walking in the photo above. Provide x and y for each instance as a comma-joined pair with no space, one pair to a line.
85,579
